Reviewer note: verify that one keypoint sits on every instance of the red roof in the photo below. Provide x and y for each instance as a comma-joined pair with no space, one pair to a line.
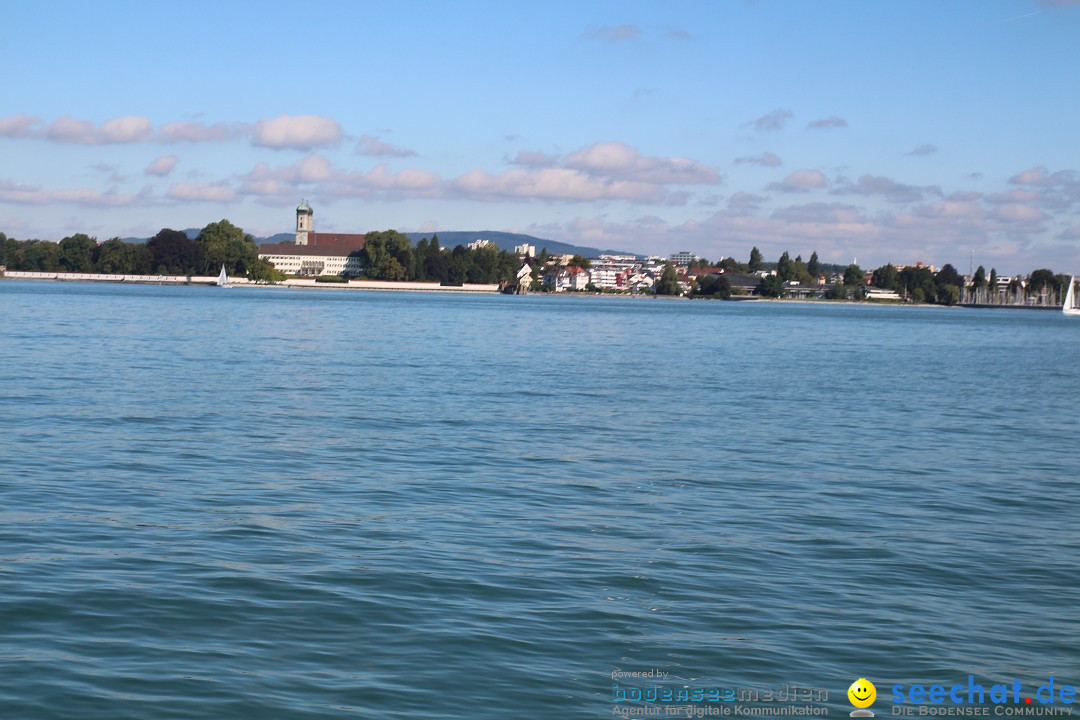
304,250
330,244
339,241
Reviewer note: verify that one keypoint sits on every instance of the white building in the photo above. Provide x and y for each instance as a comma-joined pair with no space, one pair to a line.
479,244
611,272
682,258
568,278
315,253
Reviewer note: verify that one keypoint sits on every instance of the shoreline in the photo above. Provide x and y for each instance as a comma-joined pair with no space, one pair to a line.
474,289
211,281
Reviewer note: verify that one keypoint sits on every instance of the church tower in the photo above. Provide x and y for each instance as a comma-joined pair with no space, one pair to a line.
304,214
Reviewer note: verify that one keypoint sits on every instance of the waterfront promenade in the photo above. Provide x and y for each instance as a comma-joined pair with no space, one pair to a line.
383,285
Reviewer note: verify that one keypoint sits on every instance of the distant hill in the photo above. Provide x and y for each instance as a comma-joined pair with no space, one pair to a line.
194,233
507,241
279,238
503,240
190,232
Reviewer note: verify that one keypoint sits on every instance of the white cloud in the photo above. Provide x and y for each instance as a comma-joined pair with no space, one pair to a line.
534,158
314,174
371,145
817,213
766,159
20,125
885,187
1018,212
745,202
128,129
771,122
618,160
829,122
162,165
801,181
176,132
924,149
565,184
196,192
1041,176
613,33
22,194
297,132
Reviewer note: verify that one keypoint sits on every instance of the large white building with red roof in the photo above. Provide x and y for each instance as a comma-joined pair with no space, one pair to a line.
315,253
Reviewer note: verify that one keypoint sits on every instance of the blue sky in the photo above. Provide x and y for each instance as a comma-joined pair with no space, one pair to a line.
892,130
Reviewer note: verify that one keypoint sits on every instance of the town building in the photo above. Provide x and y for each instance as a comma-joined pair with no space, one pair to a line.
682,258
315,253
611,272
568,278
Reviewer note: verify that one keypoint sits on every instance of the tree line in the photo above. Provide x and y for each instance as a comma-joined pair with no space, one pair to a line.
390,255
945,287
169,252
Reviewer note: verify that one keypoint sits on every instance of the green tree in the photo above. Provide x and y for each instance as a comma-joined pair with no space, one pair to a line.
836,291
771,286
485,265
419,255
784,270
12,253
979,281
140,259
756,262
731,265
263,271
912,278
113,257
394,270
949,294
669,282
581,262
41,256
225,244
457,266
948,283
382,247
436,263
854,276
172,252
814,267
886,277
800,273
713,286
1041,280
77,253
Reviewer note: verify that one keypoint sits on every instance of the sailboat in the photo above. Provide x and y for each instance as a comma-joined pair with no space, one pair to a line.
1069,306
222,278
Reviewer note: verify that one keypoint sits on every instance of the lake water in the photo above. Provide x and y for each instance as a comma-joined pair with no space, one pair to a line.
267,503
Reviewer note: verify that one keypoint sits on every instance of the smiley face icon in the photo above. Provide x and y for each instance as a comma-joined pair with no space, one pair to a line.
862,693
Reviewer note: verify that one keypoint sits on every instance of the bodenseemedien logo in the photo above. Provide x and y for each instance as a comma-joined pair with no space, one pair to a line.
862,694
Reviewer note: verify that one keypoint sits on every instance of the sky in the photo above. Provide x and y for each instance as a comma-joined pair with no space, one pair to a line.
884,131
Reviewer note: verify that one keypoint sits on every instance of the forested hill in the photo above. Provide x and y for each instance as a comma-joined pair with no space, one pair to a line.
503,240
508,241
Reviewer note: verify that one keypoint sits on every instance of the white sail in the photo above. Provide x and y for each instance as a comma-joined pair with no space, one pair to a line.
222,278
1069,306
